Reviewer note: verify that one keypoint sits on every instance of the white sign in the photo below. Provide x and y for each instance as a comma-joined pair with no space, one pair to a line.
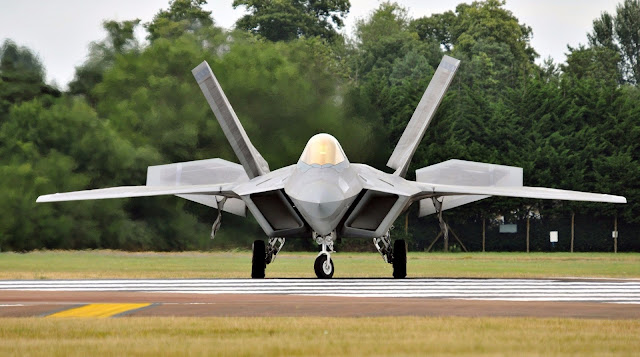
508,228
553,236
614,234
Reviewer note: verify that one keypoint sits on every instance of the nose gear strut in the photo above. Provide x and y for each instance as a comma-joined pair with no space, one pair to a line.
324,265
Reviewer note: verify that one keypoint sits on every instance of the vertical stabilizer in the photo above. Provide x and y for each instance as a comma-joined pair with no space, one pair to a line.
254,164
413,133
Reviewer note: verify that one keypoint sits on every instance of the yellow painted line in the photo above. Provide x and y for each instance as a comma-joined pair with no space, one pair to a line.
98,310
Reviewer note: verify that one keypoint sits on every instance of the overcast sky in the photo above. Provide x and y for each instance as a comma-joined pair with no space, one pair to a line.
59,31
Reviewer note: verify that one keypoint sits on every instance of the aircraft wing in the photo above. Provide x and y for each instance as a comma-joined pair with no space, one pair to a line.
141,191
439,190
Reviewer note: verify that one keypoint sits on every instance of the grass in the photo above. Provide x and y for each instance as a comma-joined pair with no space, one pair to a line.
318,336
167,336
115,264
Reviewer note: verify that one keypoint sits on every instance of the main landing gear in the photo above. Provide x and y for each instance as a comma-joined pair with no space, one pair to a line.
263,255
397,256
324,265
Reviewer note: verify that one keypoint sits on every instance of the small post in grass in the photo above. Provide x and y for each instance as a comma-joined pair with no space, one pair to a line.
615,234
528,233
573,216
483,234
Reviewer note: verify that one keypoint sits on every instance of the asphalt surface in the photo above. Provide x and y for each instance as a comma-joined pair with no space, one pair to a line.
581,298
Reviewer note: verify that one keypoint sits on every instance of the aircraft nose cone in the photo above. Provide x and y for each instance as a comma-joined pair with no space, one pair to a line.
320,200
321,210
321,204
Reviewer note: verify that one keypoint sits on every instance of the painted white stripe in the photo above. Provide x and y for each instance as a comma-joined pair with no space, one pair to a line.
324,282
468,289
141,284
351,286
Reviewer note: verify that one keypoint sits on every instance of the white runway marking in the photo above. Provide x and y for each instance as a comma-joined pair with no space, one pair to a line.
627,292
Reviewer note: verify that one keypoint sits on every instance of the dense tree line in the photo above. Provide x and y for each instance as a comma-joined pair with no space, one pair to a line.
289,74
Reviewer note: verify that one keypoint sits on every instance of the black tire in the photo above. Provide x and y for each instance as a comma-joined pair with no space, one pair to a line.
319,267
258,264
400,259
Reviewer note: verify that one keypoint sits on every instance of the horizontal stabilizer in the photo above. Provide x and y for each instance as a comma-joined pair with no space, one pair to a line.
140,191
253,163
466,173
201,172
426,109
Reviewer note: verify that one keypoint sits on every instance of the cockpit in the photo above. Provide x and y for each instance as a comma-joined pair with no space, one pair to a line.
323,149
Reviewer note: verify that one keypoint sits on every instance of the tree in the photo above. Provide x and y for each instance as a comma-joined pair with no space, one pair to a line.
63,147
599,63
390,67
183,16
120,39
486,33
21,77
138,105
621,34
436,27
627,26
286,20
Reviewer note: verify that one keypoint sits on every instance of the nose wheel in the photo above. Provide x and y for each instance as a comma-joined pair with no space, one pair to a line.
323,266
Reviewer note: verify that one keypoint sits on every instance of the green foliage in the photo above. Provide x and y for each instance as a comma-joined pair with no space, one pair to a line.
21,77
120,39
573,126
183,16
621,35
286,20
60,148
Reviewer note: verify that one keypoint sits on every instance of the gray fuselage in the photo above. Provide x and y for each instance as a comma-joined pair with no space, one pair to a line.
323,193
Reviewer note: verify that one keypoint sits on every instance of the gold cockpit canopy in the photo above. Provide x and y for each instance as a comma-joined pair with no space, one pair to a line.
322,149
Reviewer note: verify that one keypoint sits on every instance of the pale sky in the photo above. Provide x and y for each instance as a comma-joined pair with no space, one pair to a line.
60,31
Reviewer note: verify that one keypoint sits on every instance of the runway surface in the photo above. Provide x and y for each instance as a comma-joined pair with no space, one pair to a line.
342,297
471,289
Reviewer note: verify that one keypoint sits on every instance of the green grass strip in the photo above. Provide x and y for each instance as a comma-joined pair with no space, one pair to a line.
103,264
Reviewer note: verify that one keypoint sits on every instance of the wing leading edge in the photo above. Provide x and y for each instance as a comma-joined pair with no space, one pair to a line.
439,190
141,191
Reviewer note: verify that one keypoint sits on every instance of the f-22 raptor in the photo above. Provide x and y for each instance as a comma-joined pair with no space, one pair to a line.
324,194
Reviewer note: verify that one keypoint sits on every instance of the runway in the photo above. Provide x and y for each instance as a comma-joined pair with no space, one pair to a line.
627,292
349,297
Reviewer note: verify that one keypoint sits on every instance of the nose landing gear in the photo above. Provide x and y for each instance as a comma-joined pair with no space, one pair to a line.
324,265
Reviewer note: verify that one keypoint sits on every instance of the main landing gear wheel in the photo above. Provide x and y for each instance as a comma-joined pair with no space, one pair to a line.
258,263
400,259
323,267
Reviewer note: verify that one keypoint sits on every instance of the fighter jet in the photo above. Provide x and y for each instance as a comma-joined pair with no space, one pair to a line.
324,195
